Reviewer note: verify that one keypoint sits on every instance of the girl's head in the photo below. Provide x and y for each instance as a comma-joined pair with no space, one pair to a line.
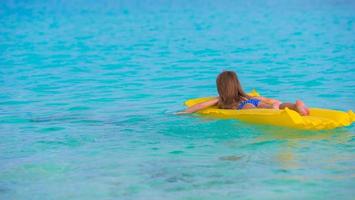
229,89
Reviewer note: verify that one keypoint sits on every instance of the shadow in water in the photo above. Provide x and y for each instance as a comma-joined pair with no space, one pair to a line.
296,141
340,135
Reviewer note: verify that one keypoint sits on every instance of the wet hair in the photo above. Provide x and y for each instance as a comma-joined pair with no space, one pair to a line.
230,91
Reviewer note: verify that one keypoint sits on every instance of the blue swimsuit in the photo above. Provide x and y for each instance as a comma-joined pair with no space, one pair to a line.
255,102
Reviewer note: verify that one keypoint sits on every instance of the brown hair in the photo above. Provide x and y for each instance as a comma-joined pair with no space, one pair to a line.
230,91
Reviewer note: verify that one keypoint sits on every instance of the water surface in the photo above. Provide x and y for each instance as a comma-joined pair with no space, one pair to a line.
87,92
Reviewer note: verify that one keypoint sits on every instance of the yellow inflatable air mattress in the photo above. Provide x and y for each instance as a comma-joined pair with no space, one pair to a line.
319,119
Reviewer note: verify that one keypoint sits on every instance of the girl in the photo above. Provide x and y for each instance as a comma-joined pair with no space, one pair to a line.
232,96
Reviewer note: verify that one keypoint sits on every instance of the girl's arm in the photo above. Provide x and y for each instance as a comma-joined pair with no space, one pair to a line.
200,106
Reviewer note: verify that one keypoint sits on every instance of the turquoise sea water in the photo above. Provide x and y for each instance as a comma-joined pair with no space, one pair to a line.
87,92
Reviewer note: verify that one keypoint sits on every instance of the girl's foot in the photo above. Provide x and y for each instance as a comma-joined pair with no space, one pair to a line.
301,108
276,105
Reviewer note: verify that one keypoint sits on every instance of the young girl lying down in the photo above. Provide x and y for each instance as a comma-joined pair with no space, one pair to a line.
232,96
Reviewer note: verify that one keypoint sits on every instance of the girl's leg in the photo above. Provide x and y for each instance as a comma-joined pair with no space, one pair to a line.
248,106
298,107
291,106
264,105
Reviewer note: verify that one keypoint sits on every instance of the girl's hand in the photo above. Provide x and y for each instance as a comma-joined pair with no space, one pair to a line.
181,113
